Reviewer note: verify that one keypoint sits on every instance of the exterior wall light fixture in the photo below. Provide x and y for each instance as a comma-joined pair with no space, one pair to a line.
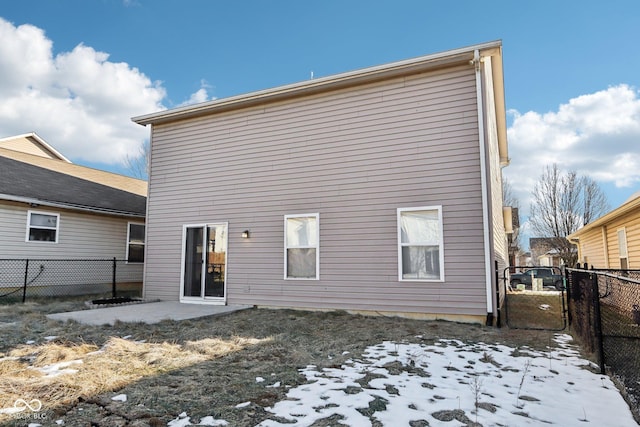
245,234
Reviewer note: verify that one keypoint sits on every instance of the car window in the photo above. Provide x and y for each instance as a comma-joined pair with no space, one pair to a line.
544,272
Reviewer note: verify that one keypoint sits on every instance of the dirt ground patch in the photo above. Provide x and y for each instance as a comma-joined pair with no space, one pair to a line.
207,367
535,310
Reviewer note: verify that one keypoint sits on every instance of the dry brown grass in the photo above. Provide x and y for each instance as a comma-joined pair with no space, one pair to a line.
118,363
203,366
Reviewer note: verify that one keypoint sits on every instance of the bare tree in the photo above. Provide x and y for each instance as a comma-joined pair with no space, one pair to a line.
562,203
509,199
138,165
508,196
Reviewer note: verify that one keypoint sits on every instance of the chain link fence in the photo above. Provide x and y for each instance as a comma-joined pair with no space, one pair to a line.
604,312
25,279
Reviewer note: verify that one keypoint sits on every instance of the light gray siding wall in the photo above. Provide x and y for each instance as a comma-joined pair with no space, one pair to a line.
80,236
354,156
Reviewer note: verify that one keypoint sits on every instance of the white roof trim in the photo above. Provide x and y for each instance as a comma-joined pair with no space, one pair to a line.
320,84
40,141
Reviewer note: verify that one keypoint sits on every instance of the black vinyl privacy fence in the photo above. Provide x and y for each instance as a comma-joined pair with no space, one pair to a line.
24,279
604,312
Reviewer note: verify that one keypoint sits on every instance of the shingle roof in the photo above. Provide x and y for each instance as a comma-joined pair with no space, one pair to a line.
23,180
121,182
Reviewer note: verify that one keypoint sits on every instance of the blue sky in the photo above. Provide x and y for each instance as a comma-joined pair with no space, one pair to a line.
79,69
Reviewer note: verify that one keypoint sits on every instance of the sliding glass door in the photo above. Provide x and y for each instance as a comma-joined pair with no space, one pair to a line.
204,263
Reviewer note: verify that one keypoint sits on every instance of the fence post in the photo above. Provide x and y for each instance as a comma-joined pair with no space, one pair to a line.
598,320
569,280
113,279
26,276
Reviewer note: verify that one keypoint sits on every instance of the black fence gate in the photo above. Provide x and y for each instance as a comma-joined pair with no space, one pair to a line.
534,298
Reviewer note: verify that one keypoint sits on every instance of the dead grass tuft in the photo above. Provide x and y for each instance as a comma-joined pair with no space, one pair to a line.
118,363
215,347
54,353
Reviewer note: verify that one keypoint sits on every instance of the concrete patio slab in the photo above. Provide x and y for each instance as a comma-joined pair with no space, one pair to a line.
151,312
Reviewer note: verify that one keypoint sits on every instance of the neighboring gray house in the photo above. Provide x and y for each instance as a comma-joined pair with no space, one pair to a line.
374,191
51,208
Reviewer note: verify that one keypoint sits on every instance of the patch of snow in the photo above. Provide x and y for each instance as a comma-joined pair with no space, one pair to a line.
259,379
180,422
30,342
274,385
183,420
126,337
120,398
60,422
544,307
60,368
210,421
51,337
397,383
243,405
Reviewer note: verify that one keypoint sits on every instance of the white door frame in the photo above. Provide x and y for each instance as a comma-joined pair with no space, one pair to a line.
202,299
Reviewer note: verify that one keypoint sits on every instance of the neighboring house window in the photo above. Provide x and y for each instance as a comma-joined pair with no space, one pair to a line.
420,252
42,227
135,243
301,257
622,247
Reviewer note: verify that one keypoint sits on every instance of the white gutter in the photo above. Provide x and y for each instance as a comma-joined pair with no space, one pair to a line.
365,75
483,182
37,202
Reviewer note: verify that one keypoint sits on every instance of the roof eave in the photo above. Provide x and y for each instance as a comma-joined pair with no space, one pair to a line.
499,99
625,208
309,87
89,209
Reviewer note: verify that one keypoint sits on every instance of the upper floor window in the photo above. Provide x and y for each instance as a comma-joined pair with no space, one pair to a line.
42,227
420,253
135,242
301,246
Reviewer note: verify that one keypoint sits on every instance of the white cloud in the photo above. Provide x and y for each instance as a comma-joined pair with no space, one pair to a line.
201,95
78,101
595,134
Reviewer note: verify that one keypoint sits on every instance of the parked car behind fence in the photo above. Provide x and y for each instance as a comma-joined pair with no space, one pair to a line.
551,278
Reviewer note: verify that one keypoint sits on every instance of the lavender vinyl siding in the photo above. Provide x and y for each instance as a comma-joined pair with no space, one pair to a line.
353,155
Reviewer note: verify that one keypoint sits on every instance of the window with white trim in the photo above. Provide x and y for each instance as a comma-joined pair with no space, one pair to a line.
135,242
420,244
622,249
42,227
302,248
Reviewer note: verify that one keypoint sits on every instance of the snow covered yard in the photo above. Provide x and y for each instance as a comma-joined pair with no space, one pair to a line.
451,383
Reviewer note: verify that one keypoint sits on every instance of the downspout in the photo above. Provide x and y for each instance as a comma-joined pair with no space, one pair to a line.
483,182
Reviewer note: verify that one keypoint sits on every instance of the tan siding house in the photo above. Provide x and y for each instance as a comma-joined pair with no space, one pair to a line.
51,209
612,241
31,143
374,191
